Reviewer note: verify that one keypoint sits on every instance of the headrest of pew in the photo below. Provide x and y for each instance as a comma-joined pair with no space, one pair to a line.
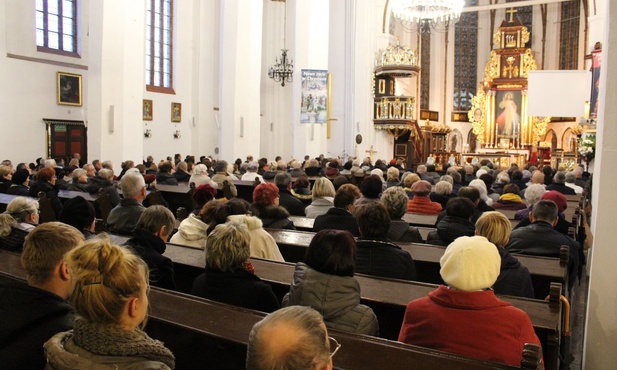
532,356
564,255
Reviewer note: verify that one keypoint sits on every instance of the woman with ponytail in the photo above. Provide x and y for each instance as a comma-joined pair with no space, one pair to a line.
111,300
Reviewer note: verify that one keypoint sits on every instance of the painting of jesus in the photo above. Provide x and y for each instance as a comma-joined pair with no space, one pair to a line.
508,118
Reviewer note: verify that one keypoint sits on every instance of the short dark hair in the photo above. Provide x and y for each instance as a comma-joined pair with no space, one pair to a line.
373,219
430,168
165,167
545,210
460,207
371,186
517,175
469,192
488,179
332,252
282,179
301,182
346,195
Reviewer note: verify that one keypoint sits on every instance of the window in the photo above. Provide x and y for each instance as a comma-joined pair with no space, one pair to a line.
56,26
525,15
425,71
159,53
465,59
568,42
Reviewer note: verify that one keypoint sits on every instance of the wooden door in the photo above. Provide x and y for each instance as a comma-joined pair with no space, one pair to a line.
66,138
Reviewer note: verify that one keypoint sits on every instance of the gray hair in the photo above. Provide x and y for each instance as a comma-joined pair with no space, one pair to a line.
503,177
481,186
131,185
17,211
395,199
228,246
421,169
545,210
221,166
107,164
252,167
282,179
560,177
534,193
570,177
108,174
443,187
50,163
310,348
154,217
78,172
447,178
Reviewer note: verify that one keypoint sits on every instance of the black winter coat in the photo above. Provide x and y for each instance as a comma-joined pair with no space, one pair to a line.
50,192
151,248
337,219
514,278
450,228
292,204
273,217
400,231
239,288
30,316
379,257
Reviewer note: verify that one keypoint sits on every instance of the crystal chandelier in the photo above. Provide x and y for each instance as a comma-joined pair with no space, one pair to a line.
428,14
283,69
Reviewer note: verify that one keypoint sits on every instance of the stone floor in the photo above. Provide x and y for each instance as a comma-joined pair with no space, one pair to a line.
577,323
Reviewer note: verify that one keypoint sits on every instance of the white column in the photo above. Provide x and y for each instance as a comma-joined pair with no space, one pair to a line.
116,83
240,77
601,320
310,51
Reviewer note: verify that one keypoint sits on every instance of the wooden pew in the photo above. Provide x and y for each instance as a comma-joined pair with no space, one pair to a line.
214,335
387,297
177,196
543,270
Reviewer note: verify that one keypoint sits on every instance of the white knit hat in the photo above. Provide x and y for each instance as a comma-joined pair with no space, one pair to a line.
470,263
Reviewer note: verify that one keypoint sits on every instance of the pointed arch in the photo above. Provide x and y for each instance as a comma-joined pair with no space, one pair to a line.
551,137
455,141
567,140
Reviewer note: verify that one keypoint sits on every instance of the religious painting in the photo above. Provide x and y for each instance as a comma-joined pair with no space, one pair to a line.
147,110
508,104
596,64
68,89
176,112
314,97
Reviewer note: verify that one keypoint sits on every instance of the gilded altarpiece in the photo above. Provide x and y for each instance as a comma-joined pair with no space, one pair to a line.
499,110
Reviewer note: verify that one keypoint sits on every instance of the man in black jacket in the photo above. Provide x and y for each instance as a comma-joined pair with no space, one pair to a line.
293,205
540,239
33,313
340,216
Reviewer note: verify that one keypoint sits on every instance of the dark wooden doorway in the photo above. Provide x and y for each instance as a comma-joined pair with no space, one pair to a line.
65,137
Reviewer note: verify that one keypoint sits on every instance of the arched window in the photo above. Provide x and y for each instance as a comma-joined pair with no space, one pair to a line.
465,59
569,33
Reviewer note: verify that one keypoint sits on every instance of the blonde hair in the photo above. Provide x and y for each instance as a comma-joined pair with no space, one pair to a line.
495,227
5,170
17,211
411,179
45,247
323,187
393,174
228,246
106,277
182,166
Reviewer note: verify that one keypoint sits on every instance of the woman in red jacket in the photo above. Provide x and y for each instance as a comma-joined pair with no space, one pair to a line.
465,317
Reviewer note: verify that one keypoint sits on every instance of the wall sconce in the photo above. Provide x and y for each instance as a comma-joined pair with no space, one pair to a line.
148,133
177,134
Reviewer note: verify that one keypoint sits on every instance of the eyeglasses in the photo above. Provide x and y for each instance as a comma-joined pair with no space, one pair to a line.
336,344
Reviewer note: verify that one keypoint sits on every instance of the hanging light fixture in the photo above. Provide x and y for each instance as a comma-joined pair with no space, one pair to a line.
283,68
427,15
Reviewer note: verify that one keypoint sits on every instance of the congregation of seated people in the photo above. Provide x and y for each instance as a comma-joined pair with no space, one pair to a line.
358,209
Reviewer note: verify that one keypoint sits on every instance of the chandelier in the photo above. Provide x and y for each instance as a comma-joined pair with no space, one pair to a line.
283,69
428,14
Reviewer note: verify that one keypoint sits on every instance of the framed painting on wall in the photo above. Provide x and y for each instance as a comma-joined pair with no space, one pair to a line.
147,109
68,88
508,105
176,112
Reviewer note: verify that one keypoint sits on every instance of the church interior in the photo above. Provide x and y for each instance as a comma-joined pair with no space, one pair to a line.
342,78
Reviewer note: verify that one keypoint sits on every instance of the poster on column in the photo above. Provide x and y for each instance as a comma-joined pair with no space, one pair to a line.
314,99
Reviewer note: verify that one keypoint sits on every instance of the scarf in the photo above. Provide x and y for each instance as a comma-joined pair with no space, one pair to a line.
109,340
510,198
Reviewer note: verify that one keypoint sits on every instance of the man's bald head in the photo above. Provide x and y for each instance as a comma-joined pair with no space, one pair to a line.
292,338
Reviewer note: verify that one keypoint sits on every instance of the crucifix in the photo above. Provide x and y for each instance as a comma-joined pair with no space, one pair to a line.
371,152
511,12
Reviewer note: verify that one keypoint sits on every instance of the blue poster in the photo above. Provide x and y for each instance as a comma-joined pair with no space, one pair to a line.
314,104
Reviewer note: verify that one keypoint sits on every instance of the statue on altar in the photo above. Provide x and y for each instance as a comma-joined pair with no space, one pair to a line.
430,160
452,160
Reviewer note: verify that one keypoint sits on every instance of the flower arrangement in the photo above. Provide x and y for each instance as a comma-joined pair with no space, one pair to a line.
587,147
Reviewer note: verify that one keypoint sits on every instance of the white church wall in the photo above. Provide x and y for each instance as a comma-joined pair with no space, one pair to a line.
30,80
